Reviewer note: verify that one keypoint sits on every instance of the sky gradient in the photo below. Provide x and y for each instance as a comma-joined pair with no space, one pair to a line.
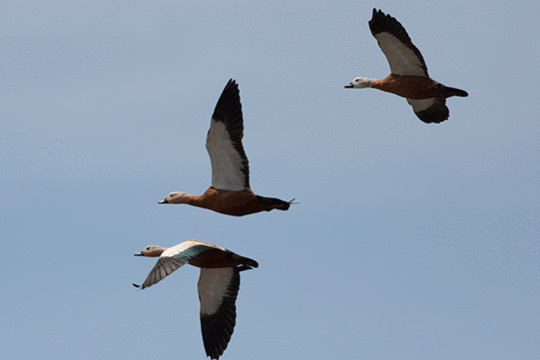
409,241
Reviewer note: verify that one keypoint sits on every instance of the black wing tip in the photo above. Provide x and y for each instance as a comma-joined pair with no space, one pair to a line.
378,16
228,103
434,115
377,13
232,86
142,286
381,22
217,329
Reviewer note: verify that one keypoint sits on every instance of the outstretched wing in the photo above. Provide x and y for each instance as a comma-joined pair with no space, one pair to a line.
403,57
230,169
218,289
432,110
165,266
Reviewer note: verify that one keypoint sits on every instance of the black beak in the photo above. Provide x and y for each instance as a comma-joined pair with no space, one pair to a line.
164,201
349,86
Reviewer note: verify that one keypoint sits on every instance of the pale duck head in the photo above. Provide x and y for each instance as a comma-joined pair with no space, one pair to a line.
151,251
360,83
175,197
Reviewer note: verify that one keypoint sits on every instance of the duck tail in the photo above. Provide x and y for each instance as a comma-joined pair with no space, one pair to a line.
243,262
449,91
273,203
245,267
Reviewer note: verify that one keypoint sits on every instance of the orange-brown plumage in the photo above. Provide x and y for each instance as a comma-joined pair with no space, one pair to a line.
411,87
236,203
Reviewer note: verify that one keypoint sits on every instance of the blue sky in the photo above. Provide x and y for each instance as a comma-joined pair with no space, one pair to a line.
410,241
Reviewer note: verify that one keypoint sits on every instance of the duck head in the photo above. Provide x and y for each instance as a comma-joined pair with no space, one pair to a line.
151,251
175,197
360,83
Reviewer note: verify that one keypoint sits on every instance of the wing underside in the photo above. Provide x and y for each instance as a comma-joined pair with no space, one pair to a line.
403,57
164,267
230,168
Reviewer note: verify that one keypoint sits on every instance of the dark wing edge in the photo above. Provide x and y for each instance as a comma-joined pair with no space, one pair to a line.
380,23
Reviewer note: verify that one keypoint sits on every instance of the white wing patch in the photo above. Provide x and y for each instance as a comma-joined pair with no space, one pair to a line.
402,60
421,105
227,164
212,286
177,249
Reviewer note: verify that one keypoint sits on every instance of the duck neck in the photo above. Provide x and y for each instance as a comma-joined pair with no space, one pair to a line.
191,199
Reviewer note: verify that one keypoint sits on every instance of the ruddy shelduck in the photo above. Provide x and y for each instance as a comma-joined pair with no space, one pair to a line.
409,76
229,192
218,285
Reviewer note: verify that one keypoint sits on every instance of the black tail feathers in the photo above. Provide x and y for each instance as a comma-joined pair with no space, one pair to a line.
448,91
273,203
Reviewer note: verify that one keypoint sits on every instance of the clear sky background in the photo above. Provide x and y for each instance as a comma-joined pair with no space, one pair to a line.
410,241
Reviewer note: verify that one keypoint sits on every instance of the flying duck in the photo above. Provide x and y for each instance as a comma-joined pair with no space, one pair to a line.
218,285
229,192
409,76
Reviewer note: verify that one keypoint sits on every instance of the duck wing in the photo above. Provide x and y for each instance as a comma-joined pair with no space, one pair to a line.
174,257
230,168
164,267
218,289
403,57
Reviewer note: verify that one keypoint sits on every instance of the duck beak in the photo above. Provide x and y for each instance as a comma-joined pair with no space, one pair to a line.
164,201
139,254
349,86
